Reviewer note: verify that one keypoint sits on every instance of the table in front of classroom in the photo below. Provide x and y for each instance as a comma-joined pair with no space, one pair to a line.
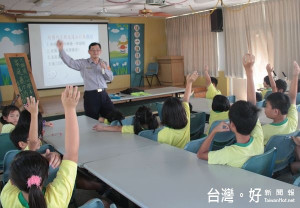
94,145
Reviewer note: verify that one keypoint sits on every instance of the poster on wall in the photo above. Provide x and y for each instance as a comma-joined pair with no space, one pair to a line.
137,54
13,39
118,48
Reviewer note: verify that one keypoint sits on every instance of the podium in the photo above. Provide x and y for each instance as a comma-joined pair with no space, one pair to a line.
171,71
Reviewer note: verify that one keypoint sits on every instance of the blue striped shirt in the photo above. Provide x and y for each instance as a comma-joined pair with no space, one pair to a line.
91,73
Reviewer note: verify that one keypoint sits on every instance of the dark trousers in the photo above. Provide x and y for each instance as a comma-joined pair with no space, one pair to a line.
97,103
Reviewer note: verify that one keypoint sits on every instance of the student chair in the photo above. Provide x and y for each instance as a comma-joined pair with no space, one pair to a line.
5,146
126,121
231,98
221,139
298,98
297,181
298,108
285,149
150,134
197,125
262,164
159,106
194,146
10,155
96,203
152,71
260,104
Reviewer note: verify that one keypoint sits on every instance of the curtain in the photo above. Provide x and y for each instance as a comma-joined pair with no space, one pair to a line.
245,31
283,19
191,37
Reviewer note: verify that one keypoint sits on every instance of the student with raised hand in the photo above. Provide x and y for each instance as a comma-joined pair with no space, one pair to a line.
278,85
143,120
29,169
176,117
282,110
9,119
243,117
211,85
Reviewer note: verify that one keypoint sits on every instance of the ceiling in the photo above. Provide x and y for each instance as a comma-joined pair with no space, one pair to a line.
113,7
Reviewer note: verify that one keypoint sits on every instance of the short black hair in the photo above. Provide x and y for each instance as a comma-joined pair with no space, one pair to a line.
244,116
93,44
267,80
220,103
173,114
258,96
191,107
6,111
214,81
279,101
281,85
144,117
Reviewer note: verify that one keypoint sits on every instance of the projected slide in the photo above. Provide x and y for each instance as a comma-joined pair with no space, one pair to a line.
48,69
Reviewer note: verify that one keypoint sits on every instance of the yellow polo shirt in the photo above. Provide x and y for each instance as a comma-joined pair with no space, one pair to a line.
128,129
237,154
176,137
212,91
58,193
216,116
7,128
287,126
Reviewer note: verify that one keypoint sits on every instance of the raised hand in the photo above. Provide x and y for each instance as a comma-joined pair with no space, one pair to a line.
190,78
70,97
32,107
53,158
60,45
296,69
248,61
269,68
206,68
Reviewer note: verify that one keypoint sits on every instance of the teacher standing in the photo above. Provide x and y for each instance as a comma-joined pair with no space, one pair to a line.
95,73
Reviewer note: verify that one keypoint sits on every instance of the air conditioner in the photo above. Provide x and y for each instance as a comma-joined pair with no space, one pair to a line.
155,2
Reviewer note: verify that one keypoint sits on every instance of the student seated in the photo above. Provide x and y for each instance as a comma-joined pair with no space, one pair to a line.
267,87
30,169
114,115
258,96
282,110
220,108
143,120
211,85
176,117
243,117
278,85
9,118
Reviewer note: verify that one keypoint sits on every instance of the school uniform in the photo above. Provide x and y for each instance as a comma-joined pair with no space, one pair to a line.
7,128
57,194
237,154
212,91
287,126
264,92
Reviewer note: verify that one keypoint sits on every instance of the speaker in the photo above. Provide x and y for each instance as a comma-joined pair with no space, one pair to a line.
216,21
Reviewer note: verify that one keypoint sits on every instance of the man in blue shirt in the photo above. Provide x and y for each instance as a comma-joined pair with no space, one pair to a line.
95,73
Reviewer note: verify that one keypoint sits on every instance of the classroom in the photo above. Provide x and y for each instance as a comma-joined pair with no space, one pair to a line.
149,103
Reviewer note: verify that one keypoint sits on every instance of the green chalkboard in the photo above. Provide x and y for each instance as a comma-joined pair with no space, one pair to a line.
21,76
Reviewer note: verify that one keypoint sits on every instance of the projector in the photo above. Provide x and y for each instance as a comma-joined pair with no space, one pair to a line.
155,2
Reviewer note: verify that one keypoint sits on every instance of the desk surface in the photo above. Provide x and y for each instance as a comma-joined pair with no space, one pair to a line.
165,176
95,145
201,104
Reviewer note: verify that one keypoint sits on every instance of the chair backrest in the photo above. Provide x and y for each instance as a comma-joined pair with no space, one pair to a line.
126,121
298,98
5,146
152,69
231,98
150,134
93,203
221,139
10,155
260,104
297,181
262,164
197,124
285,149
159,106
193,146
267,94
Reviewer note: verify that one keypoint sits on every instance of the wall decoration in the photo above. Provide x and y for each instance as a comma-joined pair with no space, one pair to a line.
118,48
13,39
